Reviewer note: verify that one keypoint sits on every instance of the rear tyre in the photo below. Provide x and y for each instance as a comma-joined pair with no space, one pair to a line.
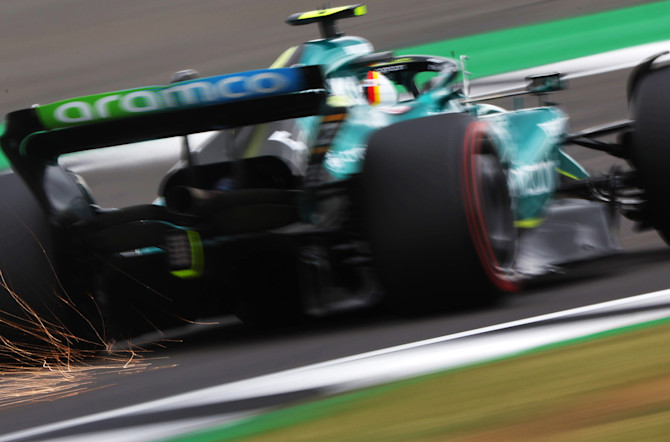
650,107
439,214
39,317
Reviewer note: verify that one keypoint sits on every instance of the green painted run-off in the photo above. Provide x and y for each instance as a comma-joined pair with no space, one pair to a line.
536,45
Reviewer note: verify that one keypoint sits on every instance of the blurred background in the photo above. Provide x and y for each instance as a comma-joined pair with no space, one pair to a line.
55,49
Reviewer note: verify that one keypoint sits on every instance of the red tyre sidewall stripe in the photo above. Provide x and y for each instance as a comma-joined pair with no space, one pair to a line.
472,146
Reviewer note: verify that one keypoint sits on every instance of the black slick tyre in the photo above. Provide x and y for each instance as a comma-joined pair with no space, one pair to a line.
438,214
650,107
40,318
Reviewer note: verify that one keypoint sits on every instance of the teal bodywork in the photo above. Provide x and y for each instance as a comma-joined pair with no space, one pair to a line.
528,140
4,162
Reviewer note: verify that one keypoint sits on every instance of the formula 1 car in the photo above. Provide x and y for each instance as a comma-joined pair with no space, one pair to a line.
339,177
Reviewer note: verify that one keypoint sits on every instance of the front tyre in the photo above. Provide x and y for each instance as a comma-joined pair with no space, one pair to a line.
439,214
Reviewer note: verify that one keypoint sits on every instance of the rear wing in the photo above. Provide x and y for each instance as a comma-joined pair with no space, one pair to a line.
42,133
34,138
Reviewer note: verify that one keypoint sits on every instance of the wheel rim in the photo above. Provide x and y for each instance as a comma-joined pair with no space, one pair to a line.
488,208
496,208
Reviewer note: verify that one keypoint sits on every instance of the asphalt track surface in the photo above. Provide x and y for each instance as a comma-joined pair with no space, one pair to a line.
57,49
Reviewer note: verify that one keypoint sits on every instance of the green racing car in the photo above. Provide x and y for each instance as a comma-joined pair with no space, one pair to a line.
338,178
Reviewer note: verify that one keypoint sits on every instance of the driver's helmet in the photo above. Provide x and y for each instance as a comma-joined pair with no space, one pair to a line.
379,90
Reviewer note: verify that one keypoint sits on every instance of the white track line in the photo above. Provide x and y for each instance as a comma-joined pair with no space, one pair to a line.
397,362
576,68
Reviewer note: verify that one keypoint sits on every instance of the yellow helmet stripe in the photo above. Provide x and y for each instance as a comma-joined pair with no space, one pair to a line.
360,10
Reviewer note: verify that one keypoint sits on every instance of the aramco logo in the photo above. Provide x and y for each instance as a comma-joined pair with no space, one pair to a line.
194,92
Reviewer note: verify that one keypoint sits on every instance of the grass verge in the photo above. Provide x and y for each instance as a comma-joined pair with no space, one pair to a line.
613,388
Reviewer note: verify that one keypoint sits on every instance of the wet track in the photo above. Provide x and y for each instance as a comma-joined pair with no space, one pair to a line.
62,49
